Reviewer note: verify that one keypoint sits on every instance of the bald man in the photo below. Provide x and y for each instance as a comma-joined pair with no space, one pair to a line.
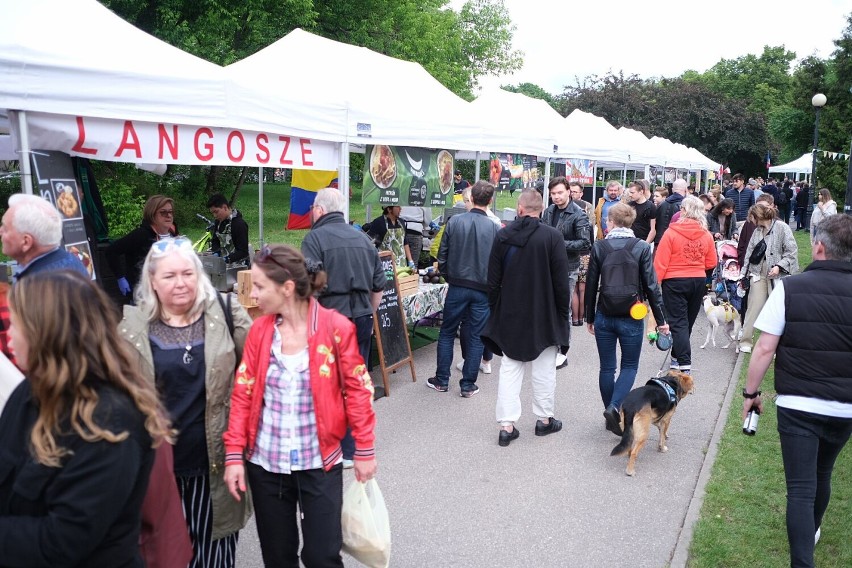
667,209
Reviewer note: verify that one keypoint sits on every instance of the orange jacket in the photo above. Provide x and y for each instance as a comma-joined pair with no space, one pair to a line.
685,251
333,359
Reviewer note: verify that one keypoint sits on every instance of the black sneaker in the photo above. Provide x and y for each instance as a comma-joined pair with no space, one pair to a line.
613,421
469,392
433,383
542,429
506,437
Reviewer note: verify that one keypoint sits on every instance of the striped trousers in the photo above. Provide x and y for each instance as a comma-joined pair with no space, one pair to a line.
206,552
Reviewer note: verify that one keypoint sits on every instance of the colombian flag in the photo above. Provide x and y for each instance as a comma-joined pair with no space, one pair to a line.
304,188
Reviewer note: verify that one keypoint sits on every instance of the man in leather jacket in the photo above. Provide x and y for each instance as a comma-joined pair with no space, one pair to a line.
570,220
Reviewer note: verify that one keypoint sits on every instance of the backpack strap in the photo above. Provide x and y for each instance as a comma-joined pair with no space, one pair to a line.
226,309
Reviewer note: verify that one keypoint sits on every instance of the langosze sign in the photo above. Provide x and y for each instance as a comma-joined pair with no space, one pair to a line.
162,143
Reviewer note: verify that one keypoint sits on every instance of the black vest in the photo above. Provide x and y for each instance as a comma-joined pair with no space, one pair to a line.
814,356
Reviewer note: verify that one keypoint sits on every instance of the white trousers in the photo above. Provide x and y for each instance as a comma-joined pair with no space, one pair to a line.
543,386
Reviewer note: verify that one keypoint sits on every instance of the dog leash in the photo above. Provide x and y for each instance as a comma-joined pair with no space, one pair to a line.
667,359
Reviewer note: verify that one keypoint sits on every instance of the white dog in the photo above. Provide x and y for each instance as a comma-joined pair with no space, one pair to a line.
721,315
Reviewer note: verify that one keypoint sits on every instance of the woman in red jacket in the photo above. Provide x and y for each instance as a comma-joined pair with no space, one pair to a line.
300,361
685,254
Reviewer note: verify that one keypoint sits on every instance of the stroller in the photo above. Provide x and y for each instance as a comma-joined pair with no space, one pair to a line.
726,275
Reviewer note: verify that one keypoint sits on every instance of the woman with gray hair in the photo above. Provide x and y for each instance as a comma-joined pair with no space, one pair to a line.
685,254
189,341
780,258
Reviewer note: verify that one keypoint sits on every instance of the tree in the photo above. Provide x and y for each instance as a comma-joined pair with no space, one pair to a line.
533,91
487,32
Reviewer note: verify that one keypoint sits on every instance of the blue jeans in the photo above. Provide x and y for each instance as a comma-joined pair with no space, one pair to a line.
629,333
471,306
810,444
464,337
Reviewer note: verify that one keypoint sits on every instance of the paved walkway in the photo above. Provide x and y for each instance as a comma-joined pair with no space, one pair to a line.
457,499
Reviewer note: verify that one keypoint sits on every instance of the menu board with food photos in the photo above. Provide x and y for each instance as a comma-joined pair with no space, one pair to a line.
513,171
402,175
54,174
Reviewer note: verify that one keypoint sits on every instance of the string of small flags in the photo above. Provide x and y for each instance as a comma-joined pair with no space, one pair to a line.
833,155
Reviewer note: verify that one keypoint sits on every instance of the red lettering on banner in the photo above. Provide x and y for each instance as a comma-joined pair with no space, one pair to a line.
239,136
262,141
172,142
209,147
284,161
81,139
129,141
306,151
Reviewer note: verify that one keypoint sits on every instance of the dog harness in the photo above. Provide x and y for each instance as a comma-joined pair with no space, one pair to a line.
728,309
666,387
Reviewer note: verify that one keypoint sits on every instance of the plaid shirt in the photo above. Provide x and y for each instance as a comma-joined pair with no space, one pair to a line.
287,439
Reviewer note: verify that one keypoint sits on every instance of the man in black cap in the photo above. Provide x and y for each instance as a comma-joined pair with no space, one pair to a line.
459,183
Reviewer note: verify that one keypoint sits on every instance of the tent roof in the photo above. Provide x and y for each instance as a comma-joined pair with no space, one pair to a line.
587,136
802,165
109,69
387,100
529,126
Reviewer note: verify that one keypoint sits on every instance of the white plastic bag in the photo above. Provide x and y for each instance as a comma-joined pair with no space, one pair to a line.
366,528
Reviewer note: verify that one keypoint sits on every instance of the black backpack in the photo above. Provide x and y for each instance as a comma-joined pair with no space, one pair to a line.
621,285
782,198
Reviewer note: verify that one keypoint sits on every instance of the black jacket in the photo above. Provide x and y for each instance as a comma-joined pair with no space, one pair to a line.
231,238
528,290
814,355
351,262
727,231
665,212
576,231
651,288
464,250
126,255
86,512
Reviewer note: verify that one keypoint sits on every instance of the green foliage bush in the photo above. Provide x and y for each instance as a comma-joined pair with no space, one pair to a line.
123,208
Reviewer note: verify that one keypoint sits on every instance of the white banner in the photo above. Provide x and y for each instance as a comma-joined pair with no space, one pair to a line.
159,143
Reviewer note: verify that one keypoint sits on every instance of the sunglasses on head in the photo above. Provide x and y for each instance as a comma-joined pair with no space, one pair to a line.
169,244
265,256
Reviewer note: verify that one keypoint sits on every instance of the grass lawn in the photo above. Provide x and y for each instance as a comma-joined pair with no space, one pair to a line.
742,521
276,208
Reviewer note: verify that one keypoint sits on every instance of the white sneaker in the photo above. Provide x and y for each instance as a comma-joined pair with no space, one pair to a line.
460,365
745,348
560,359
485,367
817,535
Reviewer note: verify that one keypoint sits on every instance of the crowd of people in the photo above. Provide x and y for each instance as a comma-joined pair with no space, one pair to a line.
230,417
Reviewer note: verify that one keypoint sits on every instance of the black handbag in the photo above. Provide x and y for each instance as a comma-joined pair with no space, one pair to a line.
758,252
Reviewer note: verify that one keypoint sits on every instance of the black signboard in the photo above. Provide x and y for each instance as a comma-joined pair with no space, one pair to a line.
54,174
389,325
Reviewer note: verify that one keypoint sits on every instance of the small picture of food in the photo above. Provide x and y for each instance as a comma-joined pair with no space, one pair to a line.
66,202
382,166
494,171
445,171
81,251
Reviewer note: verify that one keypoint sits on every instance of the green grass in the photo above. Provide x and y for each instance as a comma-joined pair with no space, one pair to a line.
276,208
742,521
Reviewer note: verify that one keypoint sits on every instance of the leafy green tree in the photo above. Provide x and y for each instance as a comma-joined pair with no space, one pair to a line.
533,91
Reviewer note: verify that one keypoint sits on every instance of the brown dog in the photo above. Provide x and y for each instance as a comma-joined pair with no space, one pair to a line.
653,403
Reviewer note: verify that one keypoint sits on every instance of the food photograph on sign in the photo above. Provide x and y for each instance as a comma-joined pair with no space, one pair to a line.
67,198
402,175
82,251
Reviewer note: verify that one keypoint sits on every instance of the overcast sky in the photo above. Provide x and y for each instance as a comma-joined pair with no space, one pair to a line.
660,38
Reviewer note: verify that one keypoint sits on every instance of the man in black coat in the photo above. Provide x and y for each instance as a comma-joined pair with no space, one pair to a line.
530,300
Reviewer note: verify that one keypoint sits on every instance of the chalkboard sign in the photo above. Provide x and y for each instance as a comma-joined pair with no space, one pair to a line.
389,325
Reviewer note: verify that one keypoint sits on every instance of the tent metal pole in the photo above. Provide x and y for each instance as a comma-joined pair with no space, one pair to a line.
544,193
624,176
343,177
25,152
476,169
260,206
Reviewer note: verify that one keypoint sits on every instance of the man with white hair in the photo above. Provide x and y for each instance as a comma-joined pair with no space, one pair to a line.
668,208
32,235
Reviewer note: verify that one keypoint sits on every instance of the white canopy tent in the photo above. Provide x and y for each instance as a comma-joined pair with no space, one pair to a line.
587,136
802,165
117,93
